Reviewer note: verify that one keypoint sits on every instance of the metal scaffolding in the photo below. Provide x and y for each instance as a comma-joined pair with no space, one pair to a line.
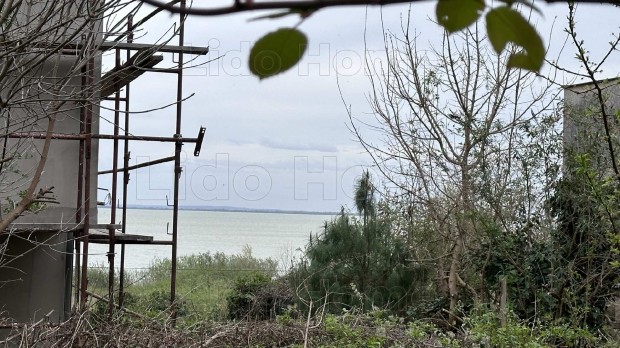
145,58
139,58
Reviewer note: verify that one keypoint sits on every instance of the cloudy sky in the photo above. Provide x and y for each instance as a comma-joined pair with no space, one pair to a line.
283,142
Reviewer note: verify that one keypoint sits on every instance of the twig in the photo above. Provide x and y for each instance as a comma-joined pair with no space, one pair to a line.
101,298
307,325
304,5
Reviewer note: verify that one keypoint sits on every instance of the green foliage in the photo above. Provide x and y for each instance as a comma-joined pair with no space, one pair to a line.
586,206
526,265
280,50
344,334
419,329
277,52
373,329
458,15
505,25
257,297
359,267
483,327
359,264
365,196
563,335
158,301
563,275
204,282
34,207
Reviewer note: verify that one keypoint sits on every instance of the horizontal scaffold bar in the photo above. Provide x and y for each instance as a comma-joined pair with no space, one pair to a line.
63,136
145,164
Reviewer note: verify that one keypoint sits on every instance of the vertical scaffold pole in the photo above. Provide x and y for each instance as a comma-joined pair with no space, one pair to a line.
177,166
121,285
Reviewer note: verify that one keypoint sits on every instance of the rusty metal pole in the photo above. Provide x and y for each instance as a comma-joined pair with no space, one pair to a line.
121,283
177,167
112,230
64,136
90,72
141,165
80,184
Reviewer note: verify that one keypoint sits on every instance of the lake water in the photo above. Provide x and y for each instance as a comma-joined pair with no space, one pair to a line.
273,235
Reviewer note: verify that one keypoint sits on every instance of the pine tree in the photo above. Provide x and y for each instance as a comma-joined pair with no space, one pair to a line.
359,262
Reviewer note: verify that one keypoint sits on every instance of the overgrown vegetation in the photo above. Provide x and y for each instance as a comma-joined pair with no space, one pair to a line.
358,286
491,231
350,330
205,283
359,263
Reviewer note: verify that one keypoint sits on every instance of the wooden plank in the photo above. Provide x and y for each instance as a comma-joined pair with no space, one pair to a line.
122,75
197,50
42,227
102,236
105,226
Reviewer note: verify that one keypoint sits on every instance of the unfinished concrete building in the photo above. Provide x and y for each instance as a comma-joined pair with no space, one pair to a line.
592,137
50,110
584,125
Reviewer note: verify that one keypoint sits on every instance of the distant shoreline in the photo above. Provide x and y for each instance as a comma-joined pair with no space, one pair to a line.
229,210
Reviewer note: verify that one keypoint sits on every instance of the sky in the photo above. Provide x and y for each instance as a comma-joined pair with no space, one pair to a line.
284,142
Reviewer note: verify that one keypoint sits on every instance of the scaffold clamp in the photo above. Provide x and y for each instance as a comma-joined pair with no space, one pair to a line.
201,135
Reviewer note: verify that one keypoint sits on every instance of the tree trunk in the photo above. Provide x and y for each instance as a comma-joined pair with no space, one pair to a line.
453,278
30,195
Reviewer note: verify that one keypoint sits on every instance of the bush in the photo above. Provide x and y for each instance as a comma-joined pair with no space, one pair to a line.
353,264
257,297
360,262
483,328
158,301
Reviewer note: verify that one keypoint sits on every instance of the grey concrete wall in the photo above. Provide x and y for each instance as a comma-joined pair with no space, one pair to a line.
33,276
37,277
27,110
584,132
35,268
61,169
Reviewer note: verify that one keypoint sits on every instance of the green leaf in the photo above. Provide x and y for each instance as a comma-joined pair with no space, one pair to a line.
277,52
506,25
455,15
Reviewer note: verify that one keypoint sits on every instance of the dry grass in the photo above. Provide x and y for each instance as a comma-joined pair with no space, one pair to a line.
87,330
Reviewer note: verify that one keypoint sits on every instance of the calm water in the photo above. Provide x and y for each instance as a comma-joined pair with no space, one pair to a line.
269,235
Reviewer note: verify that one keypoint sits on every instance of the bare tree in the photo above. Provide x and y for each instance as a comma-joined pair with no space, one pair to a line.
46,50
449,128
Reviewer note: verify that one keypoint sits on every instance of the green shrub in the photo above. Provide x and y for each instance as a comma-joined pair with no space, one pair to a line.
485,329
204,282
360,262
158,301
256,296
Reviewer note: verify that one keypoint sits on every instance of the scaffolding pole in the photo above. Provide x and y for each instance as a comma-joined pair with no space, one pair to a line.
88,122
112,230
177,168
121,282
80,184
85,138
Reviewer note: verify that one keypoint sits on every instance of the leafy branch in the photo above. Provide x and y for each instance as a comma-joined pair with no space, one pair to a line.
506,27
